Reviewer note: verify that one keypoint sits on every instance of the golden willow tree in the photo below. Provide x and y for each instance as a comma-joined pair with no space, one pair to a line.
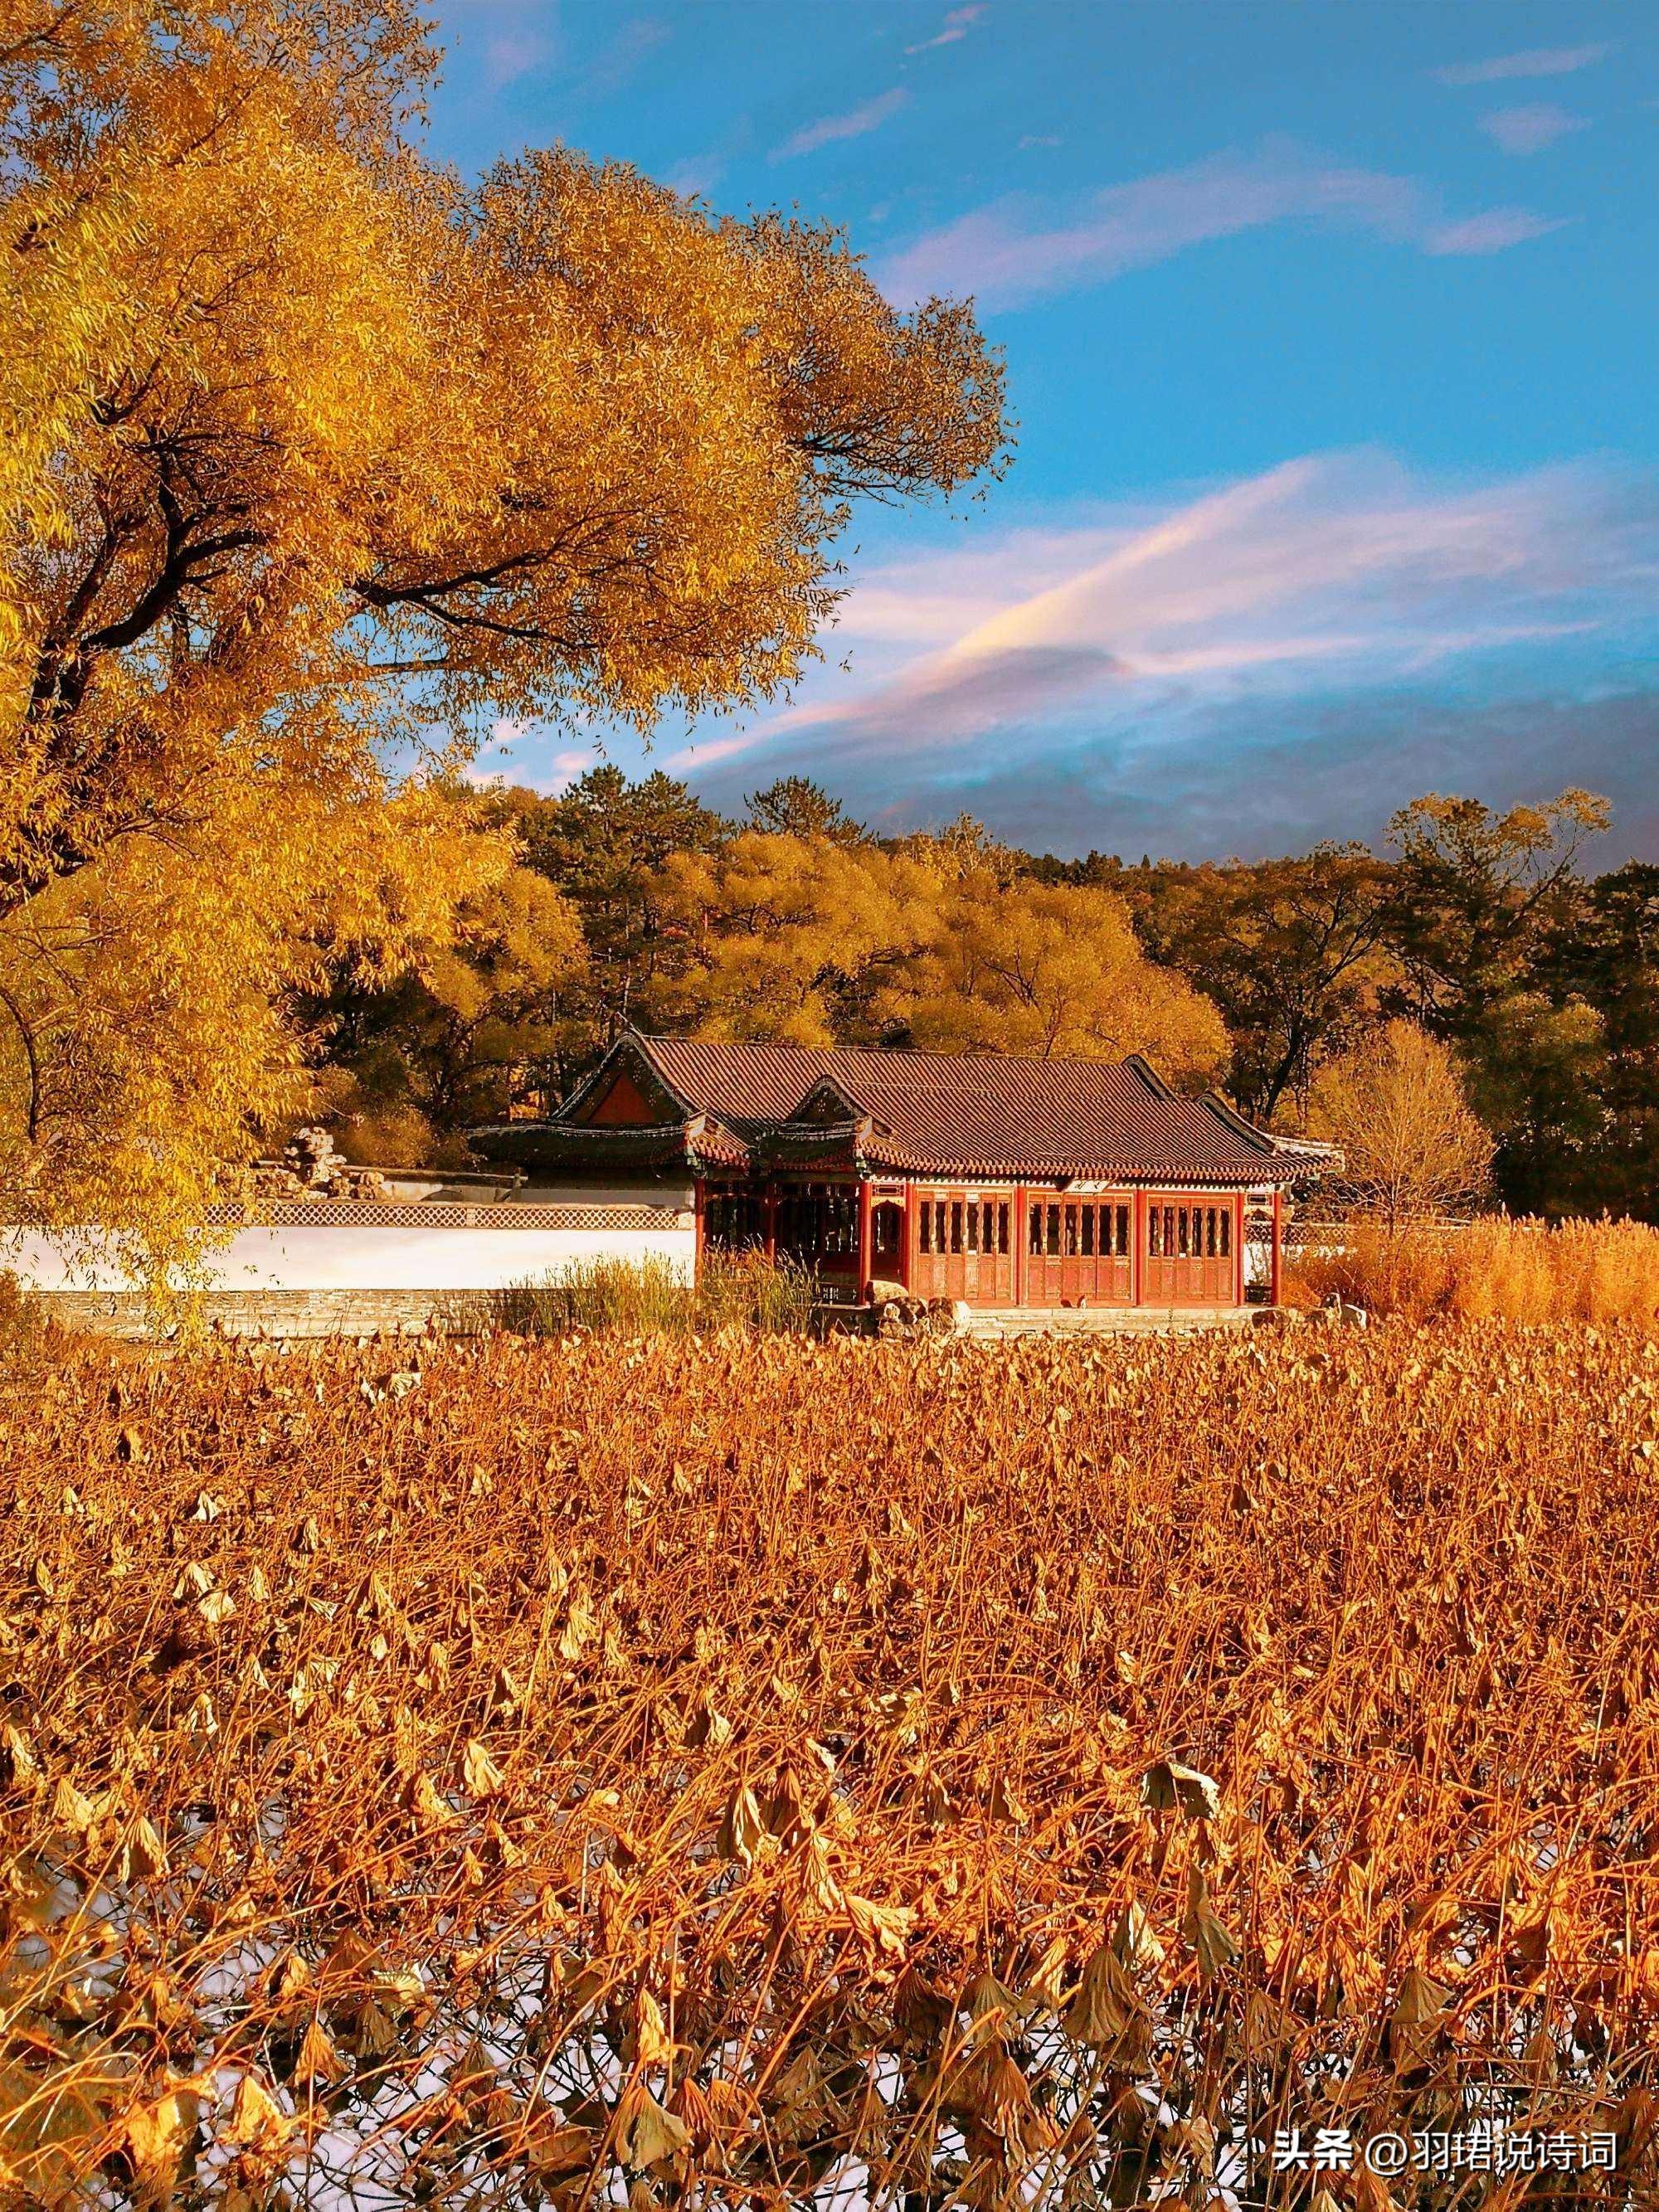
939,943
310,451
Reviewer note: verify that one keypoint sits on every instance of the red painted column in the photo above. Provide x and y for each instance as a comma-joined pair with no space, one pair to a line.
1275,1279
1137,1248
1021,1207
866,1261
908,1269
698,1188
770,1204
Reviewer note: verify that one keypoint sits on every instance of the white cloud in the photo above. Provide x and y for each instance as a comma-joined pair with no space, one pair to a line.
494,763
956,26
1528,130
1536,61
627,49
1018,250
697,178
1490,233
830,128
562,771
511,37
1342,571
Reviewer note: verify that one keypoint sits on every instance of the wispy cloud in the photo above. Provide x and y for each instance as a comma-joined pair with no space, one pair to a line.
1536,61
1490,233
956,24
510,38
830,128
618,60
696,178
1332,575
1528,130
1018,249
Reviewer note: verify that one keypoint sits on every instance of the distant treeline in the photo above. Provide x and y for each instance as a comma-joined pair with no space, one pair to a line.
634,904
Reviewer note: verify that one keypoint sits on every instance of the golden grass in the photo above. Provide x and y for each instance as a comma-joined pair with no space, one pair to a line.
1517,1270
649,1298
715,1765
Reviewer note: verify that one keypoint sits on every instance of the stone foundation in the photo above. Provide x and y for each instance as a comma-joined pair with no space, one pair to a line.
280,1312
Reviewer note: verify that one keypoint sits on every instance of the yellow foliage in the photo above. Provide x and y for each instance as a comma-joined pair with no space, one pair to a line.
1514,1270
1410,1144
1055,971
315,461
815,941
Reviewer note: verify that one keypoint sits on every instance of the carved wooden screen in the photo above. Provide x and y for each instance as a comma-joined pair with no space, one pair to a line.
1078,1248
964,1246
1191,1251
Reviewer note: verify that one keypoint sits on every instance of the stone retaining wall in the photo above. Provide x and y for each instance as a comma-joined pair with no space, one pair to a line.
279,1313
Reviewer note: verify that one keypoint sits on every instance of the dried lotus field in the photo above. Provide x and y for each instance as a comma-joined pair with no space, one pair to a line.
741,1771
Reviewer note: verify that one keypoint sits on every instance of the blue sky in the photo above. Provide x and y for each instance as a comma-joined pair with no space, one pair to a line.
1331,334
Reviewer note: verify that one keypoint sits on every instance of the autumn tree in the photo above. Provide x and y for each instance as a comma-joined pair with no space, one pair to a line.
1476,894
1053,971
1293,952
814,941
793,938
335,453
1412,1146
463,1033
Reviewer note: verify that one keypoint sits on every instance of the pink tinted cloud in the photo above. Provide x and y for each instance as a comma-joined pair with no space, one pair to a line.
830,128
1536,61
1016,250
1528,130
511,37
957,25
1491,234
1327,569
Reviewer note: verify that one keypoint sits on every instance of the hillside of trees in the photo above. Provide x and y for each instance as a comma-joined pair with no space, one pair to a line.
632,903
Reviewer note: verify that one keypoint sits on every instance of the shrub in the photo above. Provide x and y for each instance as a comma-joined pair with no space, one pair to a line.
773,1297
1517,1270
24,1327
649,1298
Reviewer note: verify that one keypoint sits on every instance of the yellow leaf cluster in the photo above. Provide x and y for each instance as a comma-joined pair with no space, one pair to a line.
316,462
814,940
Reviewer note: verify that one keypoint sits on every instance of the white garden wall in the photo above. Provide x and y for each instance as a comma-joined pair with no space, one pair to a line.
318,1268
292,1258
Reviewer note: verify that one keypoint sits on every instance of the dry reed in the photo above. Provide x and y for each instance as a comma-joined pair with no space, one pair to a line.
1516,1270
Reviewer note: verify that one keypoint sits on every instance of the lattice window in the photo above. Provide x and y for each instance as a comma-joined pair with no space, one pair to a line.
328,1214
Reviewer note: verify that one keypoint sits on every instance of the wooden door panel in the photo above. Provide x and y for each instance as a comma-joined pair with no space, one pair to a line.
964,1247
1077,1250
1189,1251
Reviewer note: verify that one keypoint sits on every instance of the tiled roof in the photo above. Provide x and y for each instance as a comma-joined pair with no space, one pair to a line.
943,1114
563,1144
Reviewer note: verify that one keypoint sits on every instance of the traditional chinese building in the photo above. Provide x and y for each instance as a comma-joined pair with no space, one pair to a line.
1004,1182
